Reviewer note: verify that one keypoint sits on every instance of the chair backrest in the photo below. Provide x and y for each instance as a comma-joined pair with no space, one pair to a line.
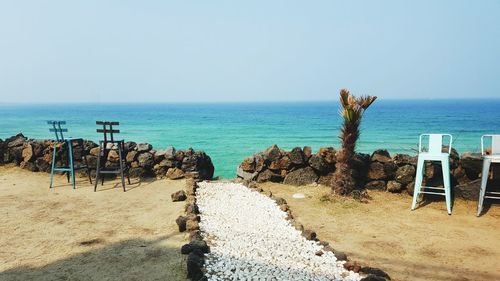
107,129
495,144
435,143
57,129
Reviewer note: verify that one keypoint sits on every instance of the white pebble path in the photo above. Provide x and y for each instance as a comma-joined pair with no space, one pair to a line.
250,239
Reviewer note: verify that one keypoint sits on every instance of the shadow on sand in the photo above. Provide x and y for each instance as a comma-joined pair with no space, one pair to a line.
109,184
135,259
429,271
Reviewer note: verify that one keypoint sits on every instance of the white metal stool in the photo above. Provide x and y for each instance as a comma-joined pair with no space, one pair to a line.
434,153
494,157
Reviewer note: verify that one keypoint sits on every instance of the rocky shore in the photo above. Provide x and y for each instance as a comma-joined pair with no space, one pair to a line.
142,158
379,170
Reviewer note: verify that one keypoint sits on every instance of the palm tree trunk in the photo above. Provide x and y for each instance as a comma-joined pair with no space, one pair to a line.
351,110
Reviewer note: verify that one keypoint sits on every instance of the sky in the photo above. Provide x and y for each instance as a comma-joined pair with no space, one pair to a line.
238,51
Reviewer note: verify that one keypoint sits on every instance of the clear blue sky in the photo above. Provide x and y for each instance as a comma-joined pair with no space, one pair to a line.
176,51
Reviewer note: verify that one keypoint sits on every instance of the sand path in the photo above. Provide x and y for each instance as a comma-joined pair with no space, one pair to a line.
81,235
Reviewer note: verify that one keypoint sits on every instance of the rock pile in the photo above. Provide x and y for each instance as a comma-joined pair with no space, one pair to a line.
197,246
296,167
379,170
144,161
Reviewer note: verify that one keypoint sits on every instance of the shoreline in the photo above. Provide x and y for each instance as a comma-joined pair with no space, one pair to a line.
231,132
379,170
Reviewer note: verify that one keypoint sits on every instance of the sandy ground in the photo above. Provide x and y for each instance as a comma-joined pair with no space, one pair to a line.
426,244
67,234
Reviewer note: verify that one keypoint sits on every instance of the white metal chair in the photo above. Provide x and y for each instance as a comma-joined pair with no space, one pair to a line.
494,157
433,153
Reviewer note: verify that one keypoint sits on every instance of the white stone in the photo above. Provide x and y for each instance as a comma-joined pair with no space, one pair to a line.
299,196
250,238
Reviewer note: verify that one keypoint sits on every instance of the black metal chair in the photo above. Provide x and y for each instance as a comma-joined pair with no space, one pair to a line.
105,146
67,144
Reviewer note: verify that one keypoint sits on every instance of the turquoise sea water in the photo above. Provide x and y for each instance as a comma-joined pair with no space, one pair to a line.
230,132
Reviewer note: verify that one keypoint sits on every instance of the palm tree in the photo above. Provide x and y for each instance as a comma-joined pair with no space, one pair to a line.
351,109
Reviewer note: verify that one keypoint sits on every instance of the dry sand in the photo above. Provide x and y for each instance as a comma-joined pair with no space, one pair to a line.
426,244
66,234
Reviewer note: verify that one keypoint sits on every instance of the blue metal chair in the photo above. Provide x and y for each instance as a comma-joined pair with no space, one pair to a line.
433,153
67,143
494,157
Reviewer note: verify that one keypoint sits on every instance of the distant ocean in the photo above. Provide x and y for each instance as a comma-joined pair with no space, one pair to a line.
230,132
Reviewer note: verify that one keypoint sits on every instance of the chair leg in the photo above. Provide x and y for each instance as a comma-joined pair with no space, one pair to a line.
84,159
484,182
447,184
418,181
67,162
125,163
98,169
104,157
53,166
121,167
71,163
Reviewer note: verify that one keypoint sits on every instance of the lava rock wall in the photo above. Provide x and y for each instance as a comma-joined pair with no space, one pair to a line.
379,170
143,160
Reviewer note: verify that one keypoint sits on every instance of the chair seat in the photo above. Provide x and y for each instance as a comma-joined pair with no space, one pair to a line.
69,139
495,158
434,156
113,142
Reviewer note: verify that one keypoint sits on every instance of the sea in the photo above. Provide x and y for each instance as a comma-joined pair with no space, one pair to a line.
230,132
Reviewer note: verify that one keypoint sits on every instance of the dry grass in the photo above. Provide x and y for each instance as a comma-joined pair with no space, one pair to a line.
67,234
426,244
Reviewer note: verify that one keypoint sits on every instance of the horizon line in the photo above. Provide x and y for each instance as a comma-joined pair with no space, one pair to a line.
238,102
